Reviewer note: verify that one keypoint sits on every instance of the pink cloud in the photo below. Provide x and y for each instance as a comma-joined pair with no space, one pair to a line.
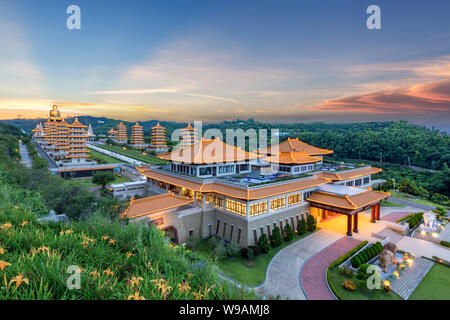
426,98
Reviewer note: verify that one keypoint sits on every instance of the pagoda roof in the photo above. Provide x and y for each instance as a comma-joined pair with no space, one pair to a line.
189,127
348,202
292,158
137,125
38,128
208,151
158,126
294,145
121,125
154,204
77,124
349,174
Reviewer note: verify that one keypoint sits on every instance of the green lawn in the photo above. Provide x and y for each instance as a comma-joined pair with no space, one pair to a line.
87,182
133,153
359,294
385,203
435,285
105,159
237,269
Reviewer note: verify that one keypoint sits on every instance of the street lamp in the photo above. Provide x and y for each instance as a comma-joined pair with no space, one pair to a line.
394,187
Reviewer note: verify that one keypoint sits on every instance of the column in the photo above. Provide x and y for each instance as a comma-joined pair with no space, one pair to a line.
247,210
195,198
372,214
378,211
204,200
355,223
349,225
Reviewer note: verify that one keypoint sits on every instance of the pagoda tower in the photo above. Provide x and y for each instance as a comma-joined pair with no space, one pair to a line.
38,133
189,136
122,135
91,135
158,140
77,148
112,134
137,135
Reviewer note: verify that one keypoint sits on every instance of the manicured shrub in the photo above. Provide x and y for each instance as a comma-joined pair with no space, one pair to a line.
244,252
256,250
250,254
347,255
275,238
263,243
356,262
301,226
288,233
232,249
311,223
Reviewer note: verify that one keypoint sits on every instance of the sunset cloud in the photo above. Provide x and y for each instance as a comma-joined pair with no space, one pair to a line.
427,98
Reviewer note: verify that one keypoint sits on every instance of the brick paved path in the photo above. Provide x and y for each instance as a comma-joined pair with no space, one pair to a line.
313,274
393,217
410,278
445,234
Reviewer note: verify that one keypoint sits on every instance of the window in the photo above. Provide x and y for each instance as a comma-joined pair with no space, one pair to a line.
358,182
231,232
239,235
236,207
258,208
191,232
366,180
294,199
205,171
218,225
277,203
212,198
255,236
210,230
262,230
268,229
224,229
350,183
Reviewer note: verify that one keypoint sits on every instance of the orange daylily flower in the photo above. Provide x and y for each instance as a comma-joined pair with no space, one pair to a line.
24,223
19,279
112,241
4,264
135,296
105,237
6,226
129,255
134,281
108,272
2,251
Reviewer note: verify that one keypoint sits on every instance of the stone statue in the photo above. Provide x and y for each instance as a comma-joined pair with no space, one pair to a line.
387,255
429,220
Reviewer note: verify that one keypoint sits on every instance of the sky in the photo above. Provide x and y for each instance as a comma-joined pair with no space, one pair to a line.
214,60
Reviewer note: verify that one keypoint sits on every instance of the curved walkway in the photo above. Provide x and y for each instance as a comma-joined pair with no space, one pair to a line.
282,276
313,274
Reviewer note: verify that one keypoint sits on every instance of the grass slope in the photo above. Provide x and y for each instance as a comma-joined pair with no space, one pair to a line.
435,285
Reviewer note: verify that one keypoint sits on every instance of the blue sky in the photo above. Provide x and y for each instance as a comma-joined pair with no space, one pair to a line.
214,60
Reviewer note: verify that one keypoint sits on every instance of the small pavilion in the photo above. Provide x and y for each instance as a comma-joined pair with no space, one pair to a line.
350,201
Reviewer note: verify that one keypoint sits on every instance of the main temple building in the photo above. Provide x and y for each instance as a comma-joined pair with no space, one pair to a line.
211,188
66,143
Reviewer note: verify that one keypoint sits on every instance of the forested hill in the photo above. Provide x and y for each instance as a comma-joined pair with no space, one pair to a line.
396,142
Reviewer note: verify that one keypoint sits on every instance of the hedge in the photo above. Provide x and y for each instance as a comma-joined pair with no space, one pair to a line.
347,255
366,255
445,243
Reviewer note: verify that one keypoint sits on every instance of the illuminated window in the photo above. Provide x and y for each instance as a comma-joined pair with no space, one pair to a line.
258,208
211,198
294,199
236,207
277,203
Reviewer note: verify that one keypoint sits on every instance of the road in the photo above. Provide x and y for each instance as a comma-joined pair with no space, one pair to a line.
129,160
25,158
411,203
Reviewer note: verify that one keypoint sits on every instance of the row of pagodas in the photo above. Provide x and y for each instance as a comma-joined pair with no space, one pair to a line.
158,139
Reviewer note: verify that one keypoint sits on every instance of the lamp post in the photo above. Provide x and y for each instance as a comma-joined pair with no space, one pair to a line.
394,187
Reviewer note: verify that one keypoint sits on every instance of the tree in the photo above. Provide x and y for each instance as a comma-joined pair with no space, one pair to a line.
288,233
275,238
311,223
103,178
301,226
263,243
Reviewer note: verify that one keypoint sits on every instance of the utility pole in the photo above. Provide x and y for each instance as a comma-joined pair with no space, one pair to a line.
381,157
